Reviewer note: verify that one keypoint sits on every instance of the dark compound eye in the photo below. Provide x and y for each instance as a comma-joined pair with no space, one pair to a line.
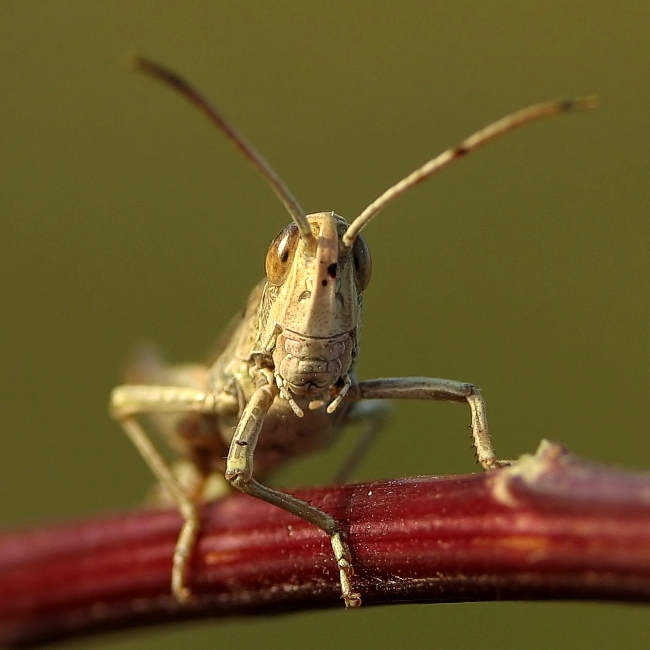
280,254
362,262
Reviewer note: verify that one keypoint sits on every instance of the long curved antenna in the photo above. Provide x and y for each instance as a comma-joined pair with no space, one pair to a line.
481,137
184,88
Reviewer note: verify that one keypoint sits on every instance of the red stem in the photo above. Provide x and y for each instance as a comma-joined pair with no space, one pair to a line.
551,527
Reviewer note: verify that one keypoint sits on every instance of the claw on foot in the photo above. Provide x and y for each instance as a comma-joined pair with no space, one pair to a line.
496,463
183,595
352,600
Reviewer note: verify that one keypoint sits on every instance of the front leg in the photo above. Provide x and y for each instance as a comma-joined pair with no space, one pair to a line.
239,471
440,389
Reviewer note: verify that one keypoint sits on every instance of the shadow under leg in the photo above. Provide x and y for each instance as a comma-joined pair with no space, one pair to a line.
373,414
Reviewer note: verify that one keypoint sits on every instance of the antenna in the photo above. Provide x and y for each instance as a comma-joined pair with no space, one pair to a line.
215,116
483,136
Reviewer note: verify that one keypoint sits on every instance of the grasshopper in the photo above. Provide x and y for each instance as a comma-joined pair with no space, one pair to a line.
282,382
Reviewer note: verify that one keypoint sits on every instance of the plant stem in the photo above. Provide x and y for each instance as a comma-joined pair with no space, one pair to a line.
551,527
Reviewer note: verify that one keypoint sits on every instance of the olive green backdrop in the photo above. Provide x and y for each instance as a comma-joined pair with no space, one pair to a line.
524,268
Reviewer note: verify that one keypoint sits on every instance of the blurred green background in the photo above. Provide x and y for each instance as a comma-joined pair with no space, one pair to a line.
524,268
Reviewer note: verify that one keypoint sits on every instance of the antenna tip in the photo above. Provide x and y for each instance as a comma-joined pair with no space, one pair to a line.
153,69
132,60
580,103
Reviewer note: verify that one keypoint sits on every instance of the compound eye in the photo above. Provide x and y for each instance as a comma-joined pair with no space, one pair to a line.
280,254
362,262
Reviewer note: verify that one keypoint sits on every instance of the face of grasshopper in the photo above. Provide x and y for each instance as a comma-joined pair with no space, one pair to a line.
314,293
